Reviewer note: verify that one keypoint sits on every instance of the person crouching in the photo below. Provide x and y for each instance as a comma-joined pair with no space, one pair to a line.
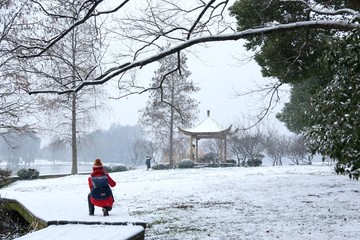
100,192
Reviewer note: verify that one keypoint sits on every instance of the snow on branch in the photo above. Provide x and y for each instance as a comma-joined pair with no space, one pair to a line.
355,14
91,12
116,71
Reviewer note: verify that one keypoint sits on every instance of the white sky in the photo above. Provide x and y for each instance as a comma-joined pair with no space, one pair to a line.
220,74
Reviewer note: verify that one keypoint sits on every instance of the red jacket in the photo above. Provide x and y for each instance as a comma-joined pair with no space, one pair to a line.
108,202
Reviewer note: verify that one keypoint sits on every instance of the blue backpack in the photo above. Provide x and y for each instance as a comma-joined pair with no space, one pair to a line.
101,189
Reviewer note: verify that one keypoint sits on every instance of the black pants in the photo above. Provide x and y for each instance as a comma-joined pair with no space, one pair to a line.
92,207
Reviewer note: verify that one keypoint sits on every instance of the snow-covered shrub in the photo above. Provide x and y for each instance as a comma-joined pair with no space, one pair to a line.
26,174
186,163
161,166
119,168
4,173
254,162
116,168
231,161
107,169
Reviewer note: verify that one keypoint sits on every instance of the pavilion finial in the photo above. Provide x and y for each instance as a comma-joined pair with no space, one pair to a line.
208,113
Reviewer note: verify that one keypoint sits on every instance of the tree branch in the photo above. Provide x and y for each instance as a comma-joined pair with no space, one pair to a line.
116,71
90,13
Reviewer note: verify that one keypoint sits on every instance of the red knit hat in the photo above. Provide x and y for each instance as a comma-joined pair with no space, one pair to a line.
97,163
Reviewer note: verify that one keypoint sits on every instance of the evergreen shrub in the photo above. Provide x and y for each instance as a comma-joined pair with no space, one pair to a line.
27,174
161,166
255,162
186,163
107,169
231,161
5,173
119,168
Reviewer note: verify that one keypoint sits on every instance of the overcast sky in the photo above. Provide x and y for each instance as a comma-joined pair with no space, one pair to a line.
220,75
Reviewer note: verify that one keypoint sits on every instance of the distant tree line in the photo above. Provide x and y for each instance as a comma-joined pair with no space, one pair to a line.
19,148
112,146
115,145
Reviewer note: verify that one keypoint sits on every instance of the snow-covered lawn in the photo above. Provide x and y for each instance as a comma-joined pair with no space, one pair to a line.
288,202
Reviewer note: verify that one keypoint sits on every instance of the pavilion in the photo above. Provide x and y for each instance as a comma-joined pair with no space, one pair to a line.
207,129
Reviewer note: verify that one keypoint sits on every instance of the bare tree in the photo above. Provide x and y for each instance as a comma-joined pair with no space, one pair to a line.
16,107
276,146
246,145
73,60
297,150
137,150
181,151
153,149
145,28
212,147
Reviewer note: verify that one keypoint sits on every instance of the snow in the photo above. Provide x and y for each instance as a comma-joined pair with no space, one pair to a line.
88,232
206,126
287,202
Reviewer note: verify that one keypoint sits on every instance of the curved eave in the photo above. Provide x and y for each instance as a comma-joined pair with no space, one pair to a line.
221,133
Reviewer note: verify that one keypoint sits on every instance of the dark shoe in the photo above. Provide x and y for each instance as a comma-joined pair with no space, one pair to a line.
91,214
105,212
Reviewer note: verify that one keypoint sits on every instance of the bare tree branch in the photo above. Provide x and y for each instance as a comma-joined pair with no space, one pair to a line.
113,72
89,14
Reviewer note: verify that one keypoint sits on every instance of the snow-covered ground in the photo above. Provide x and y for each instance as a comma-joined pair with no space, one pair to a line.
288,202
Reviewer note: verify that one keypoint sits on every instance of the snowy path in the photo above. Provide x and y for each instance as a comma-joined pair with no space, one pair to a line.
289,202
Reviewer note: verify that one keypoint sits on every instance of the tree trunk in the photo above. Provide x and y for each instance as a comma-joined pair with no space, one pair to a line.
171,138
74,169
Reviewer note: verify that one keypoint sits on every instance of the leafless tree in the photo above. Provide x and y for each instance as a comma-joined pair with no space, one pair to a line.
16,107
146,26
76,58
138,149
181,149
297,151
212,147
153,149
275,145
246,145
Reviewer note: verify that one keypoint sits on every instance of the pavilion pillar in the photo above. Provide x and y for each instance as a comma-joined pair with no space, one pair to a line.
191,152
221,151
196,153
225,147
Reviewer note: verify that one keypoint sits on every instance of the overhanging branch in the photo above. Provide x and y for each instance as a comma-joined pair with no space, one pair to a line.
114,72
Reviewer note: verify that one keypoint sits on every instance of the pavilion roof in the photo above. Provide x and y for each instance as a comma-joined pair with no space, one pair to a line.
208,128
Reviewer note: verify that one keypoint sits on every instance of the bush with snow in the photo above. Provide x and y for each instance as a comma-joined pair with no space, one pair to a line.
255,162
4,173
161,166
27,174
231,161
186,163
116,168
